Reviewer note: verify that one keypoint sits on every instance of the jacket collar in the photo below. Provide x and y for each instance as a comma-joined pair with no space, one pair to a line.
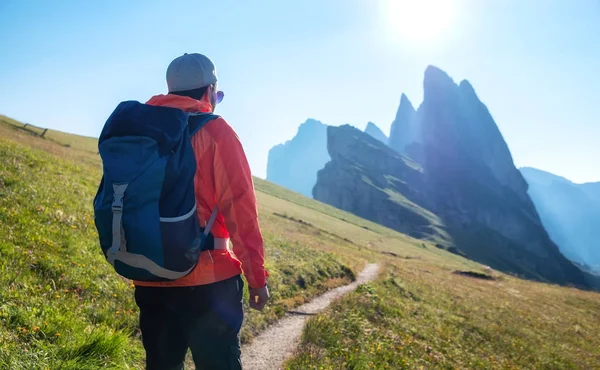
184,103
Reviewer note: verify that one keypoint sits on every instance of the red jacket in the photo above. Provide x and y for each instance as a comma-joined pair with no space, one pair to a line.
223,179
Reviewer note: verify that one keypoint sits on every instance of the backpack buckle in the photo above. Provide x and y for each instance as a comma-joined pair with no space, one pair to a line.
117,204
119,193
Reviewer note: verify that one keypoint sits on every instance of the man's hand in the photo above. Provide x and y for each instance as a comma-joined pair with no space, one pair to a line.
259,297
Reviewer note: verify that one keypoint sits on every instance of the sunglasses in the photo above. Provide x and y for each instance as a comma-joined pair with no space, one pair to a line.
220,95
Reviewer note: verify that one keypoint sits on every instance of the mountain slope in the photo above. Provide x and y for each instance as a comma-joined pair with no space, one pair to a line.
569,212
294,164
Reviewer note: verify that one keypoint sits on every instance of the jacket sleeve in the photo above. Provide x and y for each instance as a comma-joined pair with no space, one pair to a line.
237,203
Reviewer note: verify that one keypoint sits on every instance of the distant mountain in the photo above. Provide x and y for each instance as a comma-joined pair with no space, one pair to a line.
465,192
405,129
376,132
294,164
570,212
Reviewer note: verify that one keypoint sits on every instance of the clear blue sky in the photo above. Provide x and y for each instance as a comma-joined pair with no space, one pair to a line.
535,64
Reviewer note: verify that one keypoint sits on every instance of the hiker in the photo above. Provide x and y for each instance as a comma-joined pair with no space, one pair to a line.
202,309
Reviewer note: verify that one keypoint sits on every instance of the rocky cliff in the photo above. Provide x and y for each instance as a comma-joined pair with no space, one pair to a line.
473,185
570,213
466,184
294,165
459,132
376,132
371,180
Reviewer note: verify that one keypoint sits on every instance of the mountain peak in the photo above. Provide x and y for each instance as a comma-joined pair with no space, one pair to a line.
371,126
437,83
405,103
295,163
404,100
403,131
465,85
310,126
467,90
458,124
376,132
312,122
433,73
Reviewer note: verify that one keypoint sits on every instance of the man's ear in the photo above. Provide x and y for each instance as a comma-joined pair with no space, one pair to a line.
208,97
208,93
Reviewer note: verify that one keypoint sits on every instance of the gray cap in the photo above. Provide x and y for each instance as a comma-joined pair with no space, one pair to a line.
190,71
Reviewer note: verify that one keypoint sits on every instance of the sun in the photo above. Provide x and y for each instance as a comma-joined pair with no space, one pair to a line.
417,21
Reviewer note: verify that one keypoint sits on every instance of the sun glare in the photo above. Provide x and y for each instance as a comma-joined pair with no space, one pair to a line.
417,21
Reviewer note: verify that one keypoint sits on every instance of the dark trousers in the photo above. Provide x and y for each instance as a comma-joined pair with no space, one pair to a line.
205,318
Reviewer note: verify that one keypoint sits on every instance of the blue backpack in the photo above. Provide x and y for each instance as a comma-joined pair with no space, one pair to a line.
145,207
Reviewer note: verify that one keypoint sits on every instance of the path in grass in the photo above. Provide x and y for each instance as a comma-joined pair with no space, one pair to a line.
270,349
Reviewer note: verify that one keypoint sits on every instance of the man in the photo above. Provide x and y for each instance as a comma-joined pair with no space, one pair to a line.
203,310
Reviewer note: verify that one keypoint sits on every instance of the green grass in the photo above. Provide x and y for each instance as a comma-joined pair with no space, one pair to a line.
62,306
59,296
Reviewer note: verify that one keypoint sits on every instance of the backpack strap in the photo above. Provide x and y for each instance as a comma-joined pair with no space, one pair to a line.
197,120
211,221
118,234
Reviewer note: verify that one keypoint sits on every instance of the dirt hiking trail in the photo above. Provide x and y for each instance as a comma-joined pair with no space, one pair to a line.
269,350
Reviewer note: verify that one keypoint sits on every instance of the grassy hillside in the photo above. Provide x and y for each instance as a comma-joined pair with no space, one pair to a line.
421,316
83,143
64,308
